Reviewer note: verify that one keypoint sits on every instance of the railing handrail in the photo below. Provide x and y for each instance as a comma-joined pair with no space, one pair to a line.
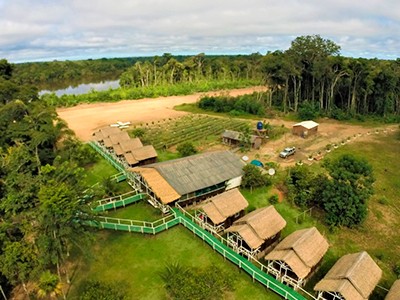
119,197
130,222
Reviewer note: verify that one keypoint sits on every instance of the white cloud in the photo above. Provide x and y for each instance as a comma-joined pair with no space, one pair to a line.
44,29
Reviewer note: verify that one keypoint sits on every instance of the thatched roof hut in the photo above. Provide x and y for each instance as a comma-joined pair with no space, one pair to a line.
258,226
352,277
137,155
131,144
105,132
235,137
225,205
158,184
301,251
394,293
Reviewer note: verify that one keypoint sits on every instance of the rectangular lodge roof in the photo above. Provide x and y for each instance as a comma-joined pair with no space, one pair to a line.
105,132
307,124
225,205
196,172
236,135
354,276
301,250
258,226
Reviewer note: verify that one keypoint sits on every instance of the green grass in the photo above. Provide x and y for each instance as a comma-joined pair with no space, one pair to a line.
97,172
141,211
163,155
135,261
379,234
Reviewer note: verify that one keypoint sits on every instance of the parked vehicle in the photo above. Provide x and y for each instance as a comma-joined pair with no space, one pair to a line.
287,152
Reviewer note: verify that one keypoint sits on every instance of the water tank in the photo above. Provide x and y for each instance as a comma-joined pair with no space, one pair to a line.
260,125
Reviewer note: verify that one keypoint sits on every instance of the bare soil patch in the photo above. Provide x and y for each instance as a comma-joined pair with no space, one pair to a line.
86,118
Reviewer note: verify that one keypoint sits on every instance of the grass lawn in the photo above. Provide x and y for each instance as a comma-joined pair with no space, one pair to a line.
141,211
379,235
135,261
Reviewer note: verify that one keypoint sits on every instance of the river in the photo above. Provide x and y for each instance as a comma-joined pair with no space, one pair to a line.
84,88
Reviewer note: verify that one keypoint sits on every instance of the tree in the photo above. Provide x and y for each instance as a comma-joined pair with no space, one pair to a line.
253,177
49,285
344,198
186,149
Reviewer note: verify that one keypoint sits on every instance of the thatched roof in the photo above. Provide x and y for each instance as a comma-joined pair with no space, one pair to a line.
225,205
130,144
199,171
144,153
258,226
107,142
119,137
158,184
130,159
105,132
117,149
394,293
307,124
354,276
301,250
236,135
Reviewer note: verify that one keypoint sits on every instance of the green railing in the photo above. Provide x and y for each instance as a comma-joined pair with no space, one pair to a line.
136,226
119,201
257,274
116,164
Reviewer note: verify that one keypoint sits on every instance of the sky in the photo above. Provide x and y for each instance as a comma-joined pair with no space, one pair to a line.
46,30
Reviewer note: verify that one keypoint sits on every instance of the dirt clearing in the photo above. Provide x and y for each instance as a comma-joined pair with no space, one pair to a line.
86,118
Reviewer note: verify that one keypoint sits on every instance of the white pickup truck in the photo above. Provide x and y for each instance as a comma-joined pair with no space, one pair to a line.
287,152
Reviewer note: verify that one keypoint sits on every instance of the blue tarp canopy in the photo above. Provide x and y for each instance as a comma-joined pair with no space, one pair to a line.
257,163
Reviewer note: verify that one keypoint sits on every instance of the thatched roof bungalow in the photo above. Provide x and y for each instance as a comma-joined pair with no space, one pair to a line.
104,133
352,277
223,209
198,176
394,293
297,256
256,231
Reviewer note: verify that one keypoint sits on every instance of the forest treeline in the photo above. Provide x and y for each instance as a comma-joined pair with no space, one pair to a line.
310,76
42,184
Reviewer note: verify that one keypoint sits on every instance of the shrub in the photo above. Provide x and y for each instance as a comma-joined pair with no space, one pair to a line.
186,149
273,199
102,291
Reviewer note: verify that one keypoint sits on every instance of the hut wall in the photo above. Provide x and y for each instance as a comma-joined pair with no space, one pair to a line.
233,183
257,143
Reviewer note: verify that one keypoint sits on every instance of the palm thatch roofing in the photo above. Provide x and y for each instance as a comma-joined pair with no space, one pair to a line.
158,184
196,172
354,276
144,153
394,293
130,159
225,205
105,132
130,144
301,250
258,226
119,137
236,136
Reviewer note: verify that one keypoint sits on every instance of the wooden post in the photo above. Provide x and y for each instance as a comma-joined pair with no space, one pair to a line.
2,292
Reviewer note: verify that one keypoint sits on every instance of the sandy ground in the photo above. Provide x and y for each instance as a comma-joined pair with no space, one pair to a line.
84,119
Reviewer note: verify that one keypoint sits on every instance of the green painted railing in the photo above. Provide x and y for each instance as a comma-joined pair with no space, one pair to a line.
116,164
257,274
119,201
136,226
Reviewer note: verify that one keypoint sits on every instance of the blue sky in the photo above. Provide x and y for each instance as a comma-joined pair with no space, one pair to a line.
33,30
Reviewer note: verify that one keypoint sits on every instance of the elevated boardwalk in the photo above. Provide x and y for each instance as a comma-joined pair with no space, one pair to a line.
119,201
178,217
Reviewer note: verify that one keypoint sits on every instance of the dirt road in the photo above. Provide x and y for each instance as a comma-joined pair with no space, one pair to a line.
86,118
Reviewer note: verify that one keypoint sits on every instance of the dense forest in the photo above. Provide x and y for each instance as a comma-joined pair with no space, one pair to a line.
41,217
310,78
